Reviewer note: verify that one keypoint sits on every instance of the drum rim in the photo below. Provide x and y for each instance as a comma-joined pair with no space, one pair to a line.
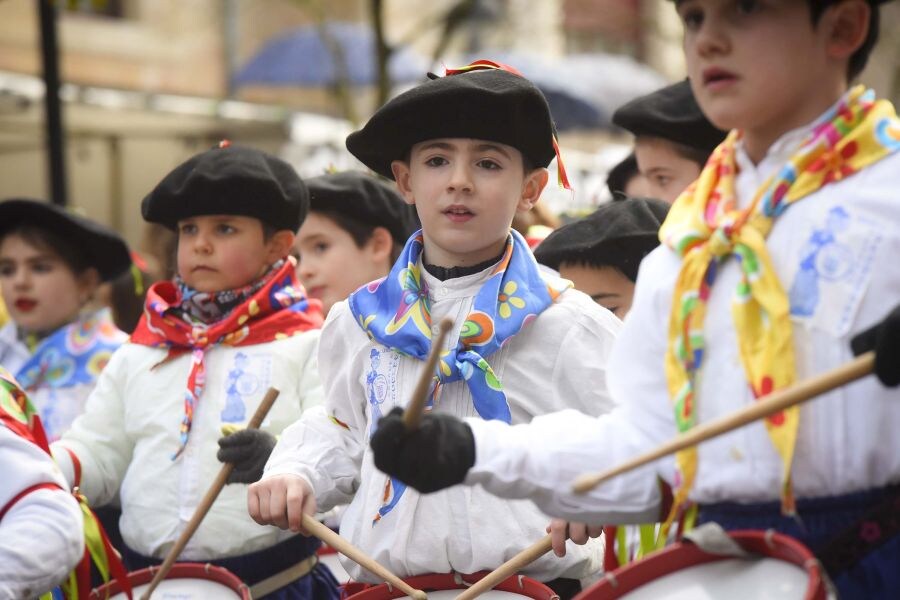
436,582
184,570
683,555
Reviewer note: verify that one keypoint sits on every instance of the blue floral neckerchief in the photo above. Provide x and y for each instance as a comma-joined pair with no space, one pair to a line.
72,355
396,312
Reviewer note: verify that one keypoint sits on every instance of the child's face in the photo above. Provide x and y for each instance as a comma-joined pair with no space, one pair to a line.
331,266
224,252
466,192
760,65
665,171
40,290
607,286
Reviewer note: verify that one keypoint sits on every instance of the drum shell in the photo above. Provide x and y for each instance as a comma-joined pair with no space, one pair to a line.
196,571
683,555
517,584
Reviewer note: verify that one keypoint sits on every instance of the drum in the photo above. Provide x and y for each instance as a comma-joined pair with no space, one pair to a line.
186,581
783,568
448,586
328,556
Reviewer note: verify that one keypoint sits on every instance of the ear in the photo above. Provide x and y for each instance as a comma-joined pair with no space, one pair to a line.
88,282
380,244
534,184
279,245
401,172
847,25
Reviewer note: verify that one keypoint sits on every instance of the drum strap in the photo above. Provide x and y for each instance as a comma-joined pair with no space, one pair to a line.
877,526
289,575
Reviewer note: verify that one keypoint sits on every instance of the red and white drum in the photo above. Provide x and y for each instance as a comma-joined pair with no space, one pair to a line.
186,581
448,586
783,568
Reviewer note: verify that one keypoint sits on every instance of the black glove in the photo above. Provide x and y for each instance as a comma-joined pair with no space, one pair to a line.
884,339
435,456
248,449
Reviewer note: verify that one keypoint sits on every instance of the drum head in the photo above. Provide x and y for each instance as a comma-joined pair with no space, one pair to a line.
781,567
186,581
447,586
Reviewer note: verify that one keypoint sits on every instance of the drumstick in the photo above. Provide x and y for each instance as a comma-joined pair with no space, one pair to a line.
207,501
780,400
324,533
509,568
413,413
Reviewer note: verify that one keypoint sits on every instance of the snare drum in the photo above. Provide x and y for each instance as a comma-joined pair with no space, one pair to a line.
448,586
782,568
186,581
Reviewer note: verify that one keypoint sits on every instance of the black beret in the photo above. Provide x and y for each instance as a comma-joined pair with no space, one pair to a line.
618,234
490,104
230,180
102,248
364,198
670,113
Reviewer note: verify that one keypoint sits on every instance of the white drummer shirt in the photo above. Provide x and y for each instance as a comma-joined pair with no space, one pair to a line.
130,430
837,255
557,361
42,534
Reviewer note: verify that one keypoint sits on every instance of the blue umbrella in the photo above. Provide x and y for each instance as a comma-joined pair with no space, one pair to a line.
302,58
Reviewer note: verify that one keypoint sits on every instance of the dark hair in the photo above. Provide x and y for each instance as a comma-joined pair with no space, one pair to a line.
625,256
692,154
360,231
859,58
619,176
67,250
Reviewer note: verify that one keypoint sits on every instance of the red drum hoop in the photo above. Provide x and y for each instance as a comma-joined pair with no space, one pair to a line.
520,585
196,571
684,555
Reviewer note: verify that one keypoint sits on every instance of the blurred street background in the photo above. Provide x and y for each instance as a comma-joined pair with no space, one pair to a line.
143,84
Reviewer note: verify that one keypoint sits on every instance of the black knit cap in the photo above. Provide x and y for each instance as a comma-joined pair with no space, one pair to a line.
364,198
618,234
670,113
230,180
490,104
102,247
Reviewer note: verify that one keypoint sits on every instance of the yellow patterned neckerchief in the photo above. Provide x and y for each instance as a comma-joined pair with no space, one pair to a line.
705,226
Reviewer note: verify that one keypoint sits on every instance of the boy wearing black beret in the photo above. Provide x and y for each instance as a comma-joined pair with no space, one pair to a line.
234,322
600,253
467,150
673,138
356,228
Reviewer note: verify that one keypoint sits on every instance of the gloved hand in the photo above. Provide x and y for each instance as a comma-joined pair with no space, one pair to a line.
884,339
435,456
248,449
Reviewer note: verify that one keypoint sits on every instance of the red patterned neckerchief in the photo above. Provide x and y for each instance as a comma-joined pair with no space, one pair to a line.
277,310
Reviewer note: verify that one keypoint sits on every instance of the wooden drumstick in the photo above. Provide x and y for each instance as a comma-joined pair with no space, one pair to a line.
324,533
413,413
780,400
207,501
509,568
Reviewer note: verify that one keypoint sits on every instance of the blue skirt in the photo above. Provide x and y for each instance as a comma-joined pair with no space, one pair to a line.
873,573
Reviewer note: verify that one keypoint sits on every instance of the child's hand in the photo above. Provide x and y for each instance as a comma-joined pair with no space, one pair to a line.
561,530
884,339
281,501
248,450
434,456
